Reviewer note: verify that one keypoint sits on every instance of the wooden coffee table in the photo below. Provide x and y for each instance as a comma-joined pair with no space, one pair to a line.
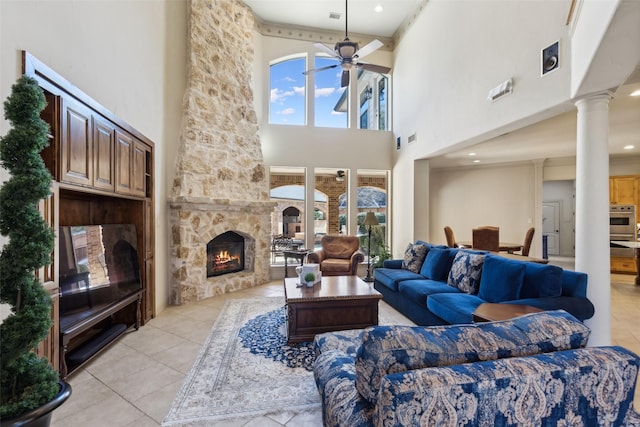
336,303
491,312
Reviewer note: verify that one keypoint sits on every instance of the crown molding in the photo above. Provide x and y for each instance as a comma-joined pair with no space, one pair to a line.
316,35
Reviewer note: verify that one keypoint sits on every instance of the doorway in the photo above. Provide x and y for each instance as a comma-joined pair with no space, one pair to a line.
551,226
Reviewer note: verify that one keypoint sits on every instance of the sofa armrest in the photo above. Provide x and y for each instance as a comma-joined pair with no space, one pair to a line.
392,263
579,307
541,389
335,376
357,257
315,257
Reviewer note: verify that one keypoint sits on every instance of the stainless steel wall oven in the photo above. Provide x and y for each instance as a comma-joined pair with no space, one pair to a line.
622,226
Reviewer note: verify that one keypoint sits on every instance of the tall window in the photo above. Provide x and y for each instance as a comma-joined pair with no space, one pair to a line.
330,99
373,96
372,197
287,92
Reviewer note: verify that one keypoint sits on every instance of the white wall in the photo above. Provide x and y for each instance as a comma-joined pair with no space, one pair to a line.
442,96
563,192
128,56
501,196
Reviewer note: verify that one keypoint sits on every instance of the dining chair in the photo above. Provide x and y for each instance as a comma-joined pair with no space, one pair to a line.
486,238
451,239
528,238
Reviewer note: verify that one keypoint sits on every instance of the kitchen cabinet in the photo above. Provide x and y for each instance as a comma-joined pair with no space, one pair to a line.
623,265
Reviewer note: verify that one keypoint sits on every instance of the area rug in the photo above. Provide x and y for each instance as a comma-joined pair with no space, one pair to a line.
245,369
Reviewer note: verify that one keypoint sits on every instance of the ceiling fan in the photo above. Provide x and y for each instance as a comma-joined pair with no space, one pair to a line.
349,54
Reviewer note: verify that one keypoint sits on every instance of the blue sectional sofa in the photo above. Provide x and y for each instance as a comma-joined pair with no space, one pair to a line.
438,285
531,370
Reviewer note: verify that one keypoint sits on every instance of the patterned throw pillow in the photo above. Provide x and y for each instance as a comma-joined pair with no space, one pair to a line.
414,256
466,271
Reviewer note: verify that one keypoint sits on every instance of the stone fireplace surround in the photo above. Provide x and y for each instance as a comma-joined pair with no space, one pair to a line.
220,183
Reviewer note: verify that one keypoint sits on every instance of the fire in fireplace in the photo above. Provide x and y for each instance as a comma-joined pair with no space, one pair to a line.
225,254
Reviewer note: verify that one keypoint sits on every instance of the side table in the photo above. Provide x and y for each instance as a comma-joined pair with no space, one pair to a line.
491,312
295,254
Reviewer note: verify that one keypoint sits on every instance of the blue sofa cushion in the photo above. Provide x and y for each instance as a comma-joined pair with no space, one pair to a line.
438,263
587,387
501,279
455,309
390,349
390,277
419,290
541,280
414,257
466,271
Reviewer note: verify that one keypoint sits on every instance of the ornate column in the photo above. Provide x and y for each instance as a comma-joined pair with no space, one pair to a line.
592,210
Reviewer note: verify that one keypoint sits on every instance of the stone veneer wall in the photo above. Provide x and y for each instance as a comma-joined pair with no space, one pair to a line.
220,182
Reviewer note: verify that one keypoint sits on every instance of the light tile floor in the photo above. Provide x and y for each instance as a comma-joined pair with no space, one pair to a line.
134,381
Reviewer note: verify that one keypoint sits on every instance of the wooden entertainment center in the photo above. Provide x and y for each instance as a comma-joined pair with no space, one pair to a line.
103,174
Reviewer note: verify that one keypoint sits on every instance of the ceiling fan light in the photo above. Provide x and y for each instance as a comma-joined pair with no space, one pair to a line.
346,49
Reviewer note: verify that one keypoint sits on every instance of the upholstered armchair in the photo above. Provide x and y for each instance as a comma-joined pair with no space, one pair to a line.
338,256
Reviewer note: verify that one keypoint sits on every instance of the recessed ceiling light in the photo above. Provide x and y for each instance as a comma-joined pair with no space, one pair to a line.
472,154
635,93
476,161
629,147
378,8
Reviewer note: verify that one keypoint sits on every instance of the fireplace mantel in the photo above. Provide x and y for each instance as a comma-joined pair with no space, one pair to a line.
206,204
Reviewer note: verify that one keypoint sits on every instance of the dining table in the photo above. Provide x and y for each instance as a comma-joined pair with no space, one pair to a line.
508,247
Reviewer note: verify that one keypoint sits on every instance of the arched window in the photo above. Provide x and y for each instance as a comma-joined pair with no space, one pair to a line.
330,98
287,90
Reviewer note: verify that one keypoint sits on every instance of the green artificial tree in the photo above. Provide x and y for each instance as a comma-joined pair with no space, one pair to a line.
27,381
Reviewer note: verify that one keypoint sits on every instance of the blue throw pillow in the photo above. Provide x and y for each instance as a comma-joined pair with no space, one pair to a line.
501,279
541,280
414,257
466,271
438,263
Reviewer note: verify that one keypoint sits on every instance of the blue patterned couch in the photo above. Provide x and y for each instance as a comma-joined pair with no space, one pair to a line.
437,285
533,370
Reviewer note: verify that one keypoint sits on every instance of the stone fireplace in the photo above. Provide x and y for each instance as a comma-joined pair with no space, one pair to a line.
220,185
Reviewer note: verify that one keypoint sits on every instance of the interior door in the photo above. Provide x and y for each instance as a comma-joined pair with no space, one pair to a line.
551,226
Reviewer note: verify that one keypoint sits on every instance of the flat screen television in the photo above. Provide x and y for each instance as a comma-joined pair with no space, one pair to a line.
98,267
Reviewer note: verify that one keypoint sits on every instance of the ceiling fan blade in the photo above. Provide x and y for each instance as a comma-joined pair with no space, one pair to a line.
375,68
326,49
345,78
320,69
368,48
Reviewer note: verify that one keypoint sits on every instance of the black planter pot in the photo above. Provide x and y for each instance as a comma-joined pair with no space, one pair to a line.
40,417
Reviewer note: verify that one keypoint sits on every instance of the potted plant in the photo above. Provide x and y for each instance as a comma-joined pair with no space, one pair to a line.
309,279
29,387
382,254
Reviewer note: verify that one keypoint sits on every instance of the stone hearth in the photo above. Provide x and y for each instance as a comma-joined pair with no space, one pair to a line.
220,183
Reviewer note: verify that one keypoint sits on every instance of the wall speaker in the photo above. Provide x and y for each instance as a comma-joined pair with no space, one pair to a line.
550,58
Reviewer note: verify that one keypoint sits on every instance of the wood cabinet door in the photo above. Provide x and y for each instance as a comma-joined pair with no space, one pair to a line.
139,169
103,154
124,160
624,190
76,147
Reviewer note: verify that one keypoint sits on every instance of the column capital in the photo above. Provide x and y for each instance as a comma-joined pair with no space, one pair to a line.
605,95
